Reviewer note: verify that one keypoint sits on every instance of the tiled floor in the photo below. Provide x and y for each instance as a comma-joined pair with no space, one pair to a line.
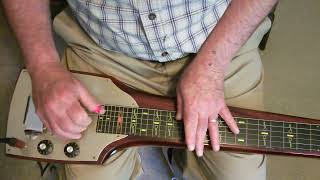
291,63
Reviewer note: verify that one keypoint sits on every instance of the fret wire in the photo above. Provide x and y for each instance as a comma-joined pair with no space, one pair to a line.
258,132
270,136
105,119
114,116
165,130
296,138
148,121
283,138
246,132
310,138
102,120
120,123
125,120
140,120
111,116
110,119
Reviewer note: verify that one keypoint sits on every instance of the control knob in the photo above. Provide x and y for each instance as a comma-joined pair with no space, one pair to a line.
45,147
71,150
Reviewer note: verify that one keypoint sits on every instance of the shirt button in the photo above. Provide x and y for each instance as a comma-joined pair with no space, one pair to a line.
152,16
165,54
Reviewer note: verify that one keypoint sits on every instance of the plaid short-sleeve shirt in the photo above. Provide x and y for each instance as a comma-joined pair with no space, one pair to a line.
159,30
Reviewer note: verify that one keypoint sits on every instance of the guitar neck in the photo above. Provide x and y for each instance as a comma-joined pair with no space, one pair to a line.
153,123
262,135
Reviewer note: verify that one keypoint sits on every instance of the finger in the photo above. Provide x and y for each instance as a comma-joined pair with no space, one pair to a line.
89,101
59,121
179,107
190,126
214,134
43,120
56,129
227,117
65,123
64,134
201,134
78,116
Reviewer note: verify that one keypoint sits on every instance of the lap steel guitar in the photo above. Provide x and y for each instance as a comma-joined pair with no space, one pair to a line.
134,118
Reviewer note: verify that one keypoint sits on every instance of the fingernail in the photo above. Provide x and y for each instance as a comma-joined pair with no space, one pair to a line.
216,148
100,109
199,153
237,131
191,147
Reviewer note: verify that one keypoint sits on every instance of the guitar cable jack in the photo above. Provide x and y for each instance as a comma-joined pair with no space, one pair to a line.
13,142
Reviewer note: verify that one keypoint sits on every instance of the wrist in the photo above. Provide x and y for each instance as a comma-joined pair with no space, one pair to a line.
36,67
213,62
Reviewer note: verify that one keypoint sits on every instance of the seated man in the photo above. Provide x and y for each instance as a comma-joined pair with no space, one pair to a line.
187,49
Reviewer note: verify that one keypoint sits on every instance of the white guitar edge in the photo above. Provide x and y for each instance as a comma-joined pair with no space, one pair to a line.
91,144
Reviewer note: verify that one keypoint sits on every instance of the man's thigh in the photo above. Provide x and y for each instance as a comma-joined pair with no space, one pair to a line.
124,164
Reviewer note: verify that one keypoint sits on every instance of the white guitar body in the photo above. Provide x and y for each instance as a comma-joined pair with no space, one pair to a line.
90,145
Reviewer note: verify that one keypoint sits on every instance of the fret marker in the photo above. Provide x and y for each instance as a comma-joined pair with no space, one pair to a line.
241,140
133,128
143,130
264,125
264,133
156,122
290,135
241,122
133,121
169,124
169,131
264,137
145,113
170,117
156,128
290,143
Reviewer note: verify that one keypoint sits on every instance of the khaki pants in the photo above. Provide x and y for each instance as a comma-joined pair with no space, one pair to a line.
243,88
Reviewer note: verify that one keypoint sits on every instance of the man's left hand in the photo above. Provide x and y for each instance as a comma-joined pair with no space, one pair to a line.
200,99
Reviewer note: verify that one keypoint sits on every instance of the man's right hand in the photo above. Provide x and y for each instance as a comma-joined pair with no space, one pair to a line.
59,100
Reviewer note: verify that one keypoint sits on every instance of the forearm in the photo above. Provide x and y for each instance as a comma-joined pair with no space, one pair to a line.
30,20
232,31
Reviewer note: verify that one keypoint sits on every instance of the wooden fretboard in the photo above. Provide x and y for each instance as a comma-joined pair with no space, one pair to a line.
257,133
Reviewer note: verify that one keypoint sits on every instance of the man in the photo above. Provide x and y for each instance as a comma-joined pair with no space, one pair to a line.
148,45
